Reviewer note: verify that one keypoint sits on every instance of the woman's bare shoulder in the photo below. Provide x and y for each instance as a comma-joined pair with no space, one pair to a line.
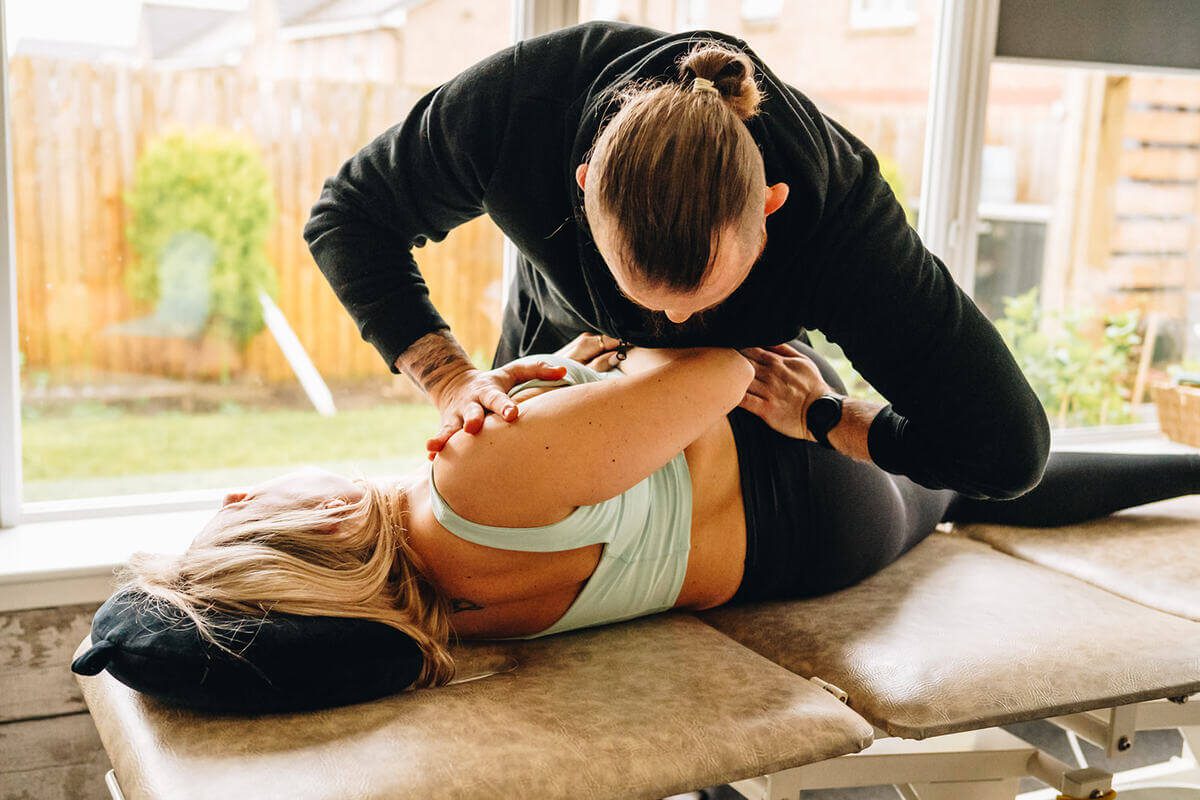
478,482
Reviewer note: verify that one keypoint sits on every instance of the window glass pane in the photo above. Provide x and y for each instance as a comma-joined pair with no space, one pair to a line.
873,81
166,156
1088,233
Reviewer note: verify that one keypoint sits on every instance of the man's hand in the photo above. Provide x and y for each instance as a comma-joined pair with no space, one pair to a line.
593,349
785,382
462,393
465,398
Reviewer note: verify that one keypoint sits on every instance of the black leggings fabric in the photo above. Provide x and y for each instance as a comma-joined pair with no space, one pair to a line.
818,521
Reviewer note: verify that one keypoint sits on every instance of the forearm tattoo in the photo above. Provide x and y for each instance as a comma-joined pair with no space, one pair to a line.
458,604
430,355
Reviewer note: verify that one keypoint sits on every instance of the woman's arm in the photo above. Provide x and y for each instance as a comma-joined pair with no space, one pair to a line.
582,444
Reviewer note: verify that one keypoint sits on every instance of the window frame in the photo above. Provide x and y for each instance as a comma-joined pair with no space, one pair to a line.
529,18
10,373
964,47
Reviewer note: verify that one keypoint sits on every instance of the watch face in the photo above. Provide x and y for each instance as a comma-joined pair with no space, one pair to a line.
823,414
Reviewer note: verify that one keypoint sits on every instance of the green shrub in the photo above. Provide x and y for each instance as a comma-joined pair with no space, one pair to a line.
1079,379
1078,382
214,185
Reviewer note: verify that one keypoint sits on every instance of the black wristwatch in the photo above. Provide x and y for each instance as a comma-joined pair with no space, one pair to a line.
822,416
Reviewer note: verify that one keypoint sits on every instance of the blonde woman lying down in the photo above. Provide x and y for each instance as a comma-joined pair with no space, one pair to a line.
618,494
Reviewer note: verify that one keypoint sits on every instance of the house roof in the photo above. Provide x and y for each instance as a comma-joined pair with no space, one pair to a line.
185,29
171,28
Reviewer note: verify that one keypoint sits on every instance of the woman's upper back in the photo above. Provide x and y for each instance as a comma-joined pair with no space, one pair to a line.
643,536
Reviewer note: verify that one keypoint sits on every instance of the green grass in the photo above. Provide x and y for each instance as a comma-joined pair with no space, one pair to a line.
108,444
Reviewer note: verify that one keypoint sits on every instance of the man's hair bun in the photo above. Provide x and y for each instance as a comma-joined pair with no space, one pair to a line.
730,70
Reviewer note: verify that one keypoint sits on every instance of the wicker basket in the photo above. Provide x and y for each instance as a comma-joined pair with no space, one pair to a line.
1178,412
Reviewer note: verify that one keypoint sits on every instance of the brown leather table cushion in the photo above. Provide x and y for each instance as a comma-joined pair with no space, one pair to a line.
641,709
956,636
1150,555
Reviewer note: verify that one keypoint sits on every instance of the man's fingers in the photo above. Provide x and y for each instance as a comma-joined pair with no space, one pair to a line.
537,369
598,343
755,354
443,435
754,404
603,362
500,403
759,387
785,350
473,418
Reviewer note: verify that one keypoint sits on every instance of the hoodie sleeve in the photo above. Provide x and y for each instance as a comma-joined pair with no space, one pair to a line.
411,184
961,413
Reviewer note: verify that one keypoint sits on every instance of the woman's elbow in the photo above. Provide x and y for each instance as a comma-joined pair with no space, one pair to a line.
743,376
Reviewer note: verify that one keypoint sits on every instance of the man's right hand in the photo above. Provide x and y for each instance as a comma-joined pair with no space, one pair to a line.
466,397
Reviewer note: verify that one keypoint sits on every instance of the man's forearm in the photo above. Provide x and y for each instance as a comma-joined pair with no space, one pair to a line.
433,359
849,436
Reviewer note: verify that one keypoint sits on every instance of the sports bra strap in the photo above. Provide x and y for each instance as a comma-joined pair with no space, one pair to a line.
584,526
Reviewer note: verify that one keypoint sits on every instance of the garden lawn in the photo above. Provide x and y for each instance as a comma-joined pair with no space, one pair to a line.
113,444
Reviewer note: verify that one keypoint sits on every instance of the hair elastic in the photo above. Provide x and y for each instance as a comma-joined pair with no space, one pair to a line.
705,85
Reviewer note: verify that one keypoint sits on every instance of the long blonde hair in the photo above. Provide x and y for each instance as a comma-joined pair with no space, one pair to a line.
349,560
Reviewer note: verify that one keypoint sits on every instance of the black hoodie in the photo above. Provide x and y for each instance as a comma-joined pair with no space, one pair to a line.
505,136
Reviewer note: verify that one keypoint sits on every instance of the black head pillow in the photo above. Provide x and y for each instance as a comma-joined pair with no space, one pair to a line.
295,662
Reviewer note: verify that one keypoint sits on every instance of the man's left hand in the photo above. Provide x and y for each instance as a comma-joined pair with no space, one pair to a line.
785,382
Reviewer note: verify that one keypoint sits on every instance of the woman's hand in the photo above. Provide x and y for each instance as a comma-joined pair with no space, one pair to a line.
785,382
593,349
465,398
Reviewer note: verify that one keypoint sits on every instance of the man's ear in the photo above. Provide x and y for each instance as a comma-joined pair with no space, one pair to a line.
581,174
776,195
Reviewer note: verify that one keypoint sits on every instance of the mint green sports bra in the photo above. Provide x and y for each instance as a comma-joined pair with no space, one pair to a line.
646,531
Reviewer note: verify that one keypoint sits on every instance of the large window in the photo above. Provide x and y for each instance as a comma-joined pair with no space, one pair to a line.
1091,255
1086,240
151,360
174,332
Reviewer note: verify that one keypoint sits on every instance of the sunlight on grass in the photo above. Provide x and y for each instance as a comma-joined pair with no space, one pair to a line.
57,448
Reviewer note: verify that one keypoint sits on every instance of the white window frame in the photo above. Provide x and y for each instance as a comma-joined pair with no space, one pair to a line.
10,374
958,92
530,17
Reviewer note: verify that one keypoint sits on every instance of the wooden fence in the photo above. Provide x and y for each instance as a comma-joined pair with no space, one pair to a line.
77,130
1148,215
1125,232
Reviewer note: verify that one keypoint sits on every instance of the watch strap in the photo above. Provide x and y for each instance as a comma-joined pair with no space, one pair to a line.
821,432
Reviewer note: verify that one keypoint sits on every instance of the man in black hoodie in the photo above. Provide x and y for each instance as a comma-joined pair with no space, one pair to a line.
507,136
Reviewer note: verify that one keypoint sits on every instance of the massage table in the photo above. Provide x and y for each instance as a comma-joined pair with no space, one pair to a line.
902,679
